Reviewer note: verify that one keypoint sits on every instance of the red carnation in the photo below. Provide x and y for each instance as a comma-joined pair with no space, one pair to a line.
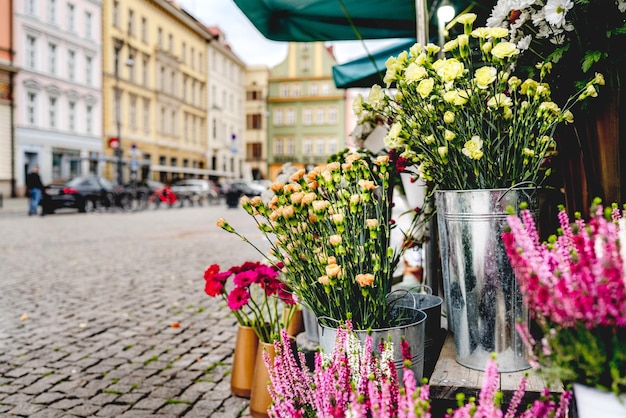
238,298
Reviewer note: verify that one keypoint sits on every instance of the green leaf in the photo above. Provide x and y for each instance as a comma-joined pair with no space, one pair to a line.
590,58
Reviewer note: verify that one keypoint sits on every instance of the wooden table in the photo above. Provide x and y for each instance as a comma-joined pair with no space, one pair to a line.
449,378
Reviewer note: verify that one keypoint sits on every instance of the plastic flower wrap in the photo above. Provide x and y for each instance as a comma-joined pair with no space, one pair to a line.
330,228
575,288
461,116
255,296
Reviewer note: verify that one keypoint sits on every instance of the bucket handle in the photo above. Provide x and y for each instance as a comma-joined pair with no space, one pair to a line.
322,326
526,182
425,289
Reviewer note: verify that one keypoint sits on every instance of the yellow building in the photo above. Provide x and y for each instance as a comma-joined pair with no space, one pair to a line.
154,90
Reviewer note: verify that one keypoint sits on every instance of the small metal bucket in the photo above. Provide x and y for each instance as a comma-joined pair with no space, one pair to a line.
483,301
412,330
421,297
310,324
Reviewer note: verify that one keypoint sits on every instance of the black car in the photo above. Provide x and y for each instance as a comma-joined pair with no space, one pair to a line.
85,194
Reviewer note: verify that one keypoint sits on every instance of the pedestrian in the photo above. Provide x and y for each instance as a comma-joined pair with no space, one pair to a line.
35,189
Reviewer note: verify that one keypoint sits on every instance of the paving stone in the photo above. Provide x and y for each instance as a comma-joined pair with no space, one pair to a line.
49,397
85,410
174,409
104,398
25,409
48,413
152,403
66,404
112,410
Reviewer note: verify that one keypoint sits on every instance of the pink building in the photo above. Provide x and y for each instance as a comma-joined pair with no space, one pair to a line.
7,76
58,97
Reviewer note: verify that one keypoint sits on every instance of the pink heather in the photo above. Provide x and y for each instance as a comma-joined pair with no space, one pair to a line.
578,278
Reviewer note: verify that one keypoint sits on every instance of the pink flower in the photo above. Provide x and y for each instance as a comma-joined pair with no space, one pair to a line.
238,298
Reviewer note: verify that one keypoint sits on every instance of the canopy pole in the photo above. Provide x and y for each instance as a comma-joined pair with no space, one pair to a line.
421,22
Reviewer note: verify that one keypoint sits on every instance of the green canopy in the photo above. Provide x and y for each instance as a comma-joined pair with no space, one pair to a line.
368,69
328,20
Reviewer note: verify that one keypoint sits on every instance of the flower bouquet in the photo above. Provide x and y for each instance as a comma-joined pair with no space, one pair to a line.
329,230
461,116
355,382
257,296
575,287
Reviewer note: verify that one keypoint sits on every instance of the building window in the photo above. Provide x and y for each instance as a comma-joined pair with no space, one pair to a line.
133,111
306,64
254,121
88,70
284,90
116,105
89,119
52,112
296,90
332,146
313,89
144,29
52,58
320,116
116,13
214,128
170,43
183,52
173,161
71,116
162,120
144,71
192,54
130,63
31,51
332,115
29,7
200,61
160,38
146,115
278,117
173,124
173,83
88,24
319,147
307,116
290,146
325,89
131,22
70,17
162,79
31,107
278,146
71,64
52,11
254,95
307,146
291,117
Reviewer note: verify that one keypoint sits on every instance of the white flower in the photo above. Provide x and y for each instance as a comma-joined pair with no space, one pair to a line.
524,43
556,10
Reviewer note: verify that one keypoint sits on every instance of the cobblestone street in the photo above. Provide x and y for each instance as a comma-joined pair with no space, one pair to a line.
104,314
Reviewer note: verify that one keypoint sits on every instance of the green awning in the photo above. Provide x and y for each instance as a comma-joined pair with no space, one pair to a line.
329,20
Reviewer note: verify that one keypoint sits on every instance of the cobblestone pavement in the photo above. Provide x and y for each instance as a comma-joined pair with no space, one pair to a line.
90,306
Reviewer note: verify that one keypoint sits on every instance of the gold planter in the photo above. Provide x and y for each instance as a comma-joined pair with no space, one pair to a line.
295,325
246,347
260,399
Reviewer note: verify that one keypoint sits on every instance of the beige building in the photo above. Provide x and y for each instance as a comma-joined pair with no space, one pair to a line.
154,91
255,136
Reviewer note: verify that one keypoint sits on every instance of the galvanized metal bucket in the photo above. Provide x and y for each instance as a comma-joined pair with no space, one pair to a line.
483,301
310,324
412,329
421,297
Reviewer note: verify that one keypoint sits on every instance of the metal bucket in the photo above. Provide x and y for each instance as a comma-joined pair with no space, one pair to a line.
310,324
412,330
421,297
483,301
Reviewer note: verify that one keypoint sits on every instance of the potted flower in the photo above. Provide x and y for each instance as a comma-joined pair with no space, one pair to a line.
481,137
330,228
355,381
256,296
575,287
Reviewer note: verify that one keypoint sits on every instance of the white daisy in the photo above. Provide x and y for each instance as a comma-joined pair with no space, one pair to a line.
556,10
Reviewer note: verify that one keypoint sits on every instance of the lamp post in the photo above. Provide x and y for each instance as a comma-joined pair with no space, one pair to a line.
119,152
445,13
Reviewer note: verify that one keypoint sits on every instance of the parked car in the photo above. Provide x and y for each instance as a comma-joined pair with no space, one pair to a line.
244,187
85,194
196,191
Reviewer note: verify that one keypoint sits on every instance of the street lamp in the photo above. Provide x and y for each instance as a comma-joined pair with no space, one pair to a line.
445,13
119,152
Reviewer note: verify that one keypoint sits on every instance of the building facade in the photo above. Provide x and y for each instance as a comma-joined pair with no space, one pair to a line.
307,112
58,89
255,136
226,118
154,91
7,77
